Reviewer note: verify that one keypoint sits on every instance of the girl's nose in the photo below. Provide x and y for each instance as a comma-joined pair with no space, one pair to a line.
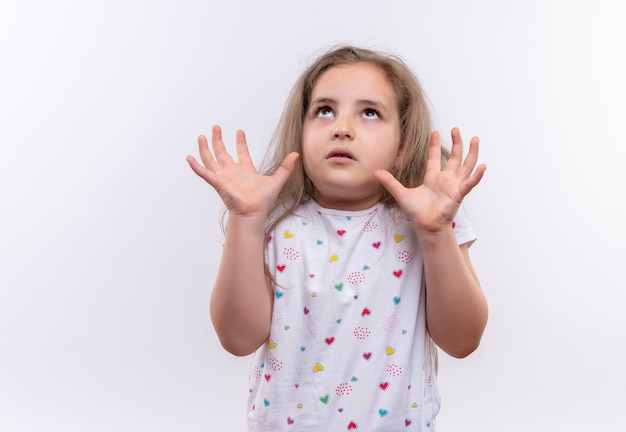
343,130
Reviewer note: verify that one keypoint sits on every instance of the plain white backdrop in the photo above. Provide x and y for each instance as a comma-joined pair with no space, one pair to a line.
109,243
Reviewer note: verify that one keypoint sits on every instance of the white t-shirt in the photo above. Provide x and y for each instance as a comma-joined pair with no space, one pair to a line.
348,347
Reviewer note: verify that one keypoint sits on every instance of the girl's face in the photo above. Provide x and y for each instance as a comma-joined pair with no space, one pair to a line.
351,129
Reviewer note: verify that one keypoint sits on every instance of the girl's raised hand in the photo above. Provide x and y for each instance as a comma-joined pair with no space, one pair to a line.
242,189
433,205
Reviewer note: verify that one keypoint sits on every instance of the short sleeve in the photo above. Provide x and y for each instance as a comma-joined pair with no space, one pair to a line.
462,228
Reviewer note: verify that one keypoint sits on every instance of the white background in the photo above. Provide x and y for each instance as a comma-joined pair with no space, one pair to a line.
109,243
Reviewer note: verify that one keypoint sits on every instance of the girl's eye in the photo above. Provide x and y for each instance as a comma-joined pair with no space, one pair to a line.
324,112
371,114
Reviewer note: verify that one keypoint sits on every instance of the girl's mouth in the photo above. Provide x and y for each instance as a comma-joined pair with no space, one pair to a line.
341,154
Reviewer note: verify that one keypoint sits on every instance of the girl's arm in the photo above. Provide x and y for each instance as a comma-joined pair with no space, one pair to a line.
456,309
242,298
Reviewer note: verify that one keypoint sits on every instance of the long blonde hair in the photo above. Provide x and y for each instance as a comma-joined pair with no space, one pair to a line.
415,126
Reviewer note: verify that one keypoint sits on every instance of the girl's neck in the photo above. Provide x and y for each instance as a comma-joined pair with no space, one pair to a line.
347,205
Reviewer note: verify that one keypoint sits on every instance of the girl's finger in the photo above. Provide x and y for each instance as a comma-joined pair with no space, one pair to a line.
456,152
205,153
200,170
470,160
434,153
469,183
286,168
389,182
243,154
221,155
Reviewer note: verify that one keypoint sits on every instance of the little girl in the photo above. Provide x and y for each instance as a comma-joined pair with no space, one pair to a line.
346,260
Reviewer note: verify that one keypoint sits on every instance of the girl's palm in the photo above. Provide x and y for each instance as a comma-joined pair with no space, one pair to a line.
242,189
433,205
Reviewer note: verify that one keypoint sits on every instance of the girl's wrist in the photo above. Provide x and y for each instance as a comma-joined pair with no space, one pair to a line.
434,236
252,221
